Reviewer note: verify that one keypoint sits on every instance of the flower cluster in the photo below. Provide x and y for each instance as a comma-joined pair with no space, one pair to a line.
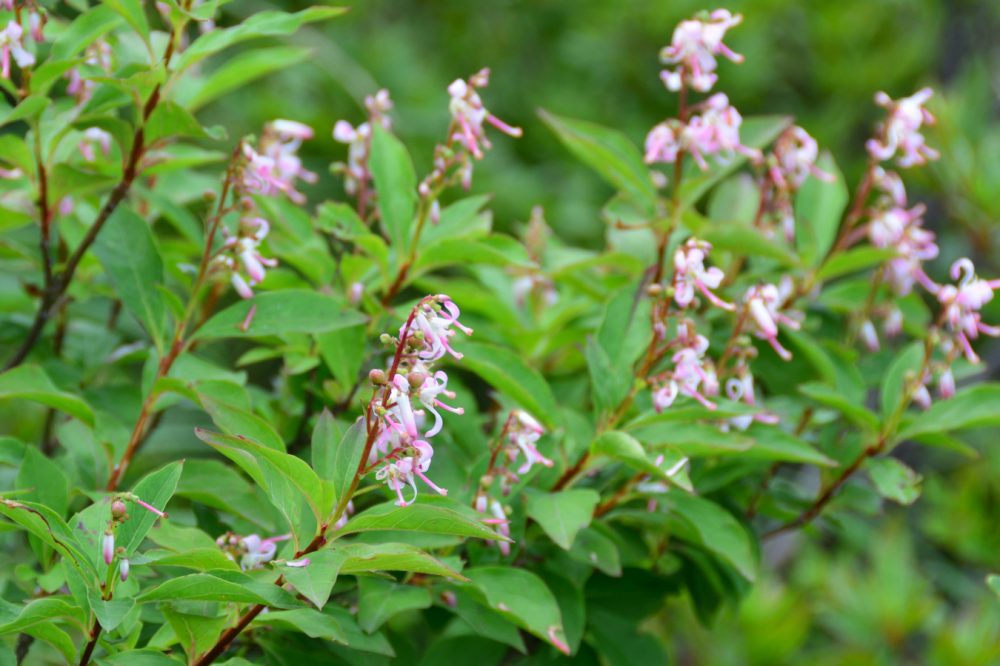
274,166
518,441
693,373
715,131
691,276
900,132
695,44
961,304
241,254
763,303
398,423
357,177
791,162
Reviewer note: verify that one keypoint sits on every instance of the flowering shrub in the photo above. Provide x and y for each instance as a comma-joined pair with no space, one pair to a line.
258,429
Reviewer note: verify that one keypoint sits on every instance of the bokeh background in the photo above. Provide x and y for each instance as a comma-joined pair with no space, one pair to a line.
902,586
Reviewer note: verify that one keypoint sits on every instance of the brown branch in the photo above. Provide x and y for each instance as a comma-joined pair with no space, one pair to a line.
88,651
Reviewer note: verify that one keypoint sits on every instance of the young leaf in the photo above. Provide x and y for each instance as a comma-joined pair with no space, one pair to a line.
128,253
396,185
562,514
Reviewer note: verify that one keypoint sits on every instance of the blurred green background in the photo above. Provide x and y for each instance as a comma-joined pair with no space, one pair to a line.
903,586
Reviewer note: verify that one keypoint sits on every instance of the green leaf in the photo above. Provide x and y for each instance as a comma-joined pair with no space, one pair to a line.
337,455
747,241
974,407
521,597
30,107
705,523
894,480
281,313
562,514
308,621
39,611
196,633
343,352
155,489
48,526
289,482
379,600
236,421
608,386
993,582
474,611
692,439
419,518
240,70
507,373
854,260
755,132
29,382
608,152
625,448
171,120
315,580
396,185
819,208
83,31
363,558
133,13
109,612
263,24
44,481
772,443
898,377
855,413
201,587
128,253
199,559
594,548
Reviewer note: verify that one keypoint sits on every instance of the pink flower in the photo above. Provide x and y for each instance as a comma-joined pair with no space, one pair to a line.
436,320
693,374
796,153
397,473
94,137
946,383
433,386
663,143
693,48
900,132
245,249
523,434
356,173
468,113
962,304
741,388
256,551
275,166
716,131
690,274
11,45
763,303
123,569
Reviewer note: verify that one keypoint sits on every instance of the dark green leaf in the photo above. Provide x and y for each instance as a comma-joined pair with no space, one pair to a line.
379,600
562,514
29,382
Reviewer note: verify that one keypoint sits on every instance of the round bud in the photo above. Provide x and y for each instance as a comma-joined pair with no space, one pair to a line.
377,377
118,509
209,195
416,379
385,339
655,289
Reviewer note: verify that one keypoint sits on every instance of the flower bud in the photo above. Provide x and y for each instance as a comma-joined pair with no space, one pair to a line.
386,339
118,510
123,569
108,547
377,377
416,379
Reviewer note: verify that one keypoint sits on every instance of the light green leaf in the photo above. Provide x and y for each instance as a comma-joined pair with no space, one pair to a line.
155,489
899,377
40,611
854,412
44,481
133,13
281,313
236,421
109,612
747,241
894,480
396,185
363,558
562,514
196,633
608,152
596,549
772,443
128,253
83,31
201,587
28,108
240,70
308,621
974,407
29,382
507,373
854,260
625,448
198,559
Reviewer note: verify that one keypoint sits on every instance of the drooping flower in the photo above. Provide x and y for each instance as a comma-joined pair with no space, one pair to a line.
693,48
356,173
241,253
716,131
436,319
690,275
795,155
523,434
900,132
663,143
741,389
274,166
123,569
252,551
693,373
763,303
